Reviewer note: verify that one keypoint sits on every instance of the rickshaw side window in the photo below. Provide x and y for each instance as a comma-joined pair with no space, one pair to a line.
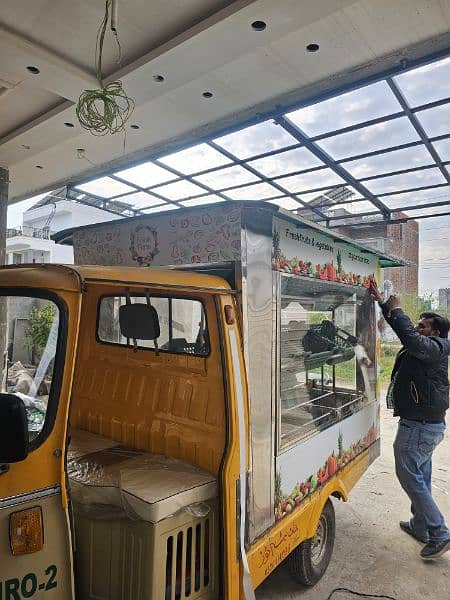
326,355
31,345
182,324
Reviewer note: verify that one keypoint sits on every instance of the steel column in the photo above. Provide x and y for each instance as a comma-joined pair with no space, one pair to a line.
4,186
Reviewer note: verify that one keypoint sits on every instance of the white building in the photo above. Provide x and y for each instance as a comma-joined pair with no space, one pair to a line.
32,243
444,300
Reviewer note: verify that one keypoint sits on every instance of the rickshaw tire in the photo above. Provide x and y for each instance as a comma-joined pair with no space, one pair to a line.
302,566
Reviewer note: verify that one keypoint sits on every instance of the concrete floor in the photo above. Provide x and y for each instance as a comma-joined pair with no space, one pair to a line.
371,553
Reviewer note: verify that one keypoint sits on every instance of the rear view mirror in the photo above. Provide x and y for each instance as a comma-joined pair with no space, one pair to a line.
13,429
139,322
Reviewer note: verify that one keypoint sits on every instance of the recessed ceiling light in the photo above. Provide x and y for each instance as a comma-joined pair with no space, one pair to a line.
312,47
134,127
67,124
207,94
39,167
259,25
158,78
33,70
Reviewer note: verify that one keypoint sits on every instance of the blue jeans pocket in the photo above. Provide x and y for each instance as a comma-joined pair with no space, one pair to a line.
428,440
404,433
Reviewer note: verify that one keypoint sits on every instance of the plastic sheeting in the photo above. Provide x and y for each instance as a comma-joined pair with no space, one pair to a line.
111,479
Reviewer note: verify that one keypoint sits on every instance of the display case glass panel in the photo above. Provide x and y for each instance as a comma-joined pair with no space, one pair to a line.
326,355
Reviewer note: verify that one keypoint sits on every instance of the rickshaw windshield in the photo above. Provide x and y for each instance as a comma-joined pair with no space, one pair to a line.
28,343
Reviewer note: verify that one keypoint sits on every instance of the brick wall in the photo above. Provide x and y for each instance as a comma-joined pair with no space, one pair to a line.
401,240
404,242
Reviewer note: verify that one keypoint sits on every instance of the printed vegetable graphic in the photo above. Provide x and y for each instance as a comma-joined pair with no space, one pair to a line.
286,503
322,475
340,443
332,465
325,272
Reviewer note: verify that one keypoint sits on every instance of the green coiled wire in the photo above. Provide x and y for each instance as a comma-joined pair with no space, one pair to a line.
107,109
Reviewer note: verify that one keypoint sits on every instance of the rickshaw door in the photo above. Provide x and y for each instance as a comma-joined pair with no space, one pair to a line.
35,532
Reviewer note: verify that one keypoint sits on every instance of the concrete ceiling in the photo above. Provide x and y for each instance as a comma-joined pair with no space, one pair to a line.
197,46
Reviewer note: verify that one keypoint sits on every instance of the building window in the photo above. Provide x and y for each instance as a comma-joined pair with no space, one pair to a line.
17,258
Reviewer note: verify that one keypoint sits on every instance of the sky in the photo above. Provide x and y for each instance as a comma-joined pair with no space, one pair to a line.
15,211
434,259
375,101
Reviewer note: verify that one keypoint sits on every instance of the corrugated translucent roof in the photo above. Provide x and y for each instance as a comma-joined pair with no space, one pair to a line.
374,150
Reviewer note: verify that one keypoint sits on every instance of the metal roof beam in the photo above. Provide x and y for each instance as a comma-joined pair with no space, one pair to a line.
339,203
179,176
355,126
437,138
271,182
378,152
419,188
418,127
378,120
105,201
399,172
393,210
392,221
332,164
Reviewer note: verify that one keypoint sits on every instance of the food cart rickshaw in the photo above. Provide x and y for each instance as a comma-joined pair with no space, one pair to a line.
193,393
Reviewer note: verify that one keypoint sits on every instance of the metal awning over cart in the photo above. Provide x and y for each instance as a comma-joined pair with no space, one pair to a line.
275,107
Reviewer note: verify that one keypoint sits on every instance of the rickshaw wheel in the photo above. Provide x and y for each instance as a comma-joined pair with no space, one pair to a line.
309,561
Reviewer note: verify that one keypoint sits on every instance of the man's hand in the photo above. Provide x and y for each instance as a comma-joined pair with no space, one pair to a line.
392,302
375,292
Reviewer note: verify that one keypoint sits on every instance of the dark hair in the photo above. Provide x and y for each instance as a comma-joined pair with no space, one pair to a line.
439,323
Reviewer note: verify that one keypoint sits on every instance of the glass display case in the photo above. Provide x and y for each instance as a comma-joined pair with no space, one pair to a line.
326,355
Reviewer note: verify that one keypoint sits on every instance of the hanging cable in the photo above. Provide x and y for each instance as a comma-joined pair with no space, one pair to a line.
107,109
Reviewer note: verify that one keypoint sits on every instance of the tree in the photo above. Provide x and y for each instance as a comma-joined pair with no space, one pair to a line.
40,322
414,305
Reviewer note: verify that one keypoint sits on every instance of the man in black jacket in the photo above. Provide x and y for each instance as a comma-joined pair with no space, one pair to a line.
419,393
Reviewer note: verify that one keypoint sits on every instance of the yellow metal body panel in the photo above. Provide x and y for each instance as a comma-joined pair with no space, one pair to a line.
45,466
45,277
70,278
165,404
231,468
51,567
154,276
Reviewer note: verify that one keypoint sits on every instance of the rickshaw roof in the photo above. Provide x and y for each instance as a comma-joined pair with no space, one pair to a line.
73,278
